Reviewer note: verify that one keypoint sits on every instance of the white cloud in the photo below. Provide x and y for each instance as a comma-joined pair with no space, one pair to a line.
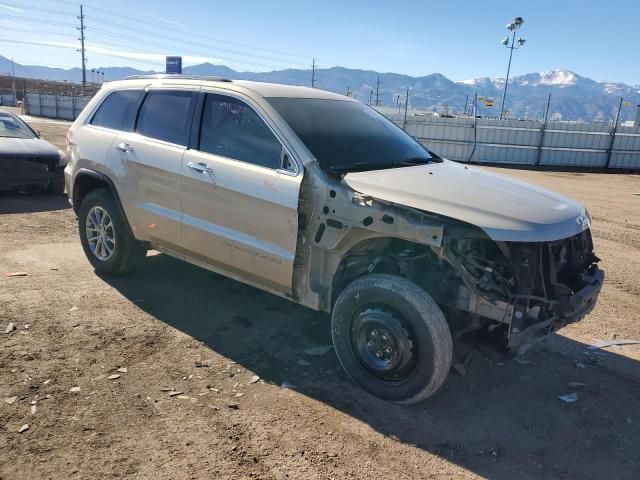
145,57
165,20
142,56
13,9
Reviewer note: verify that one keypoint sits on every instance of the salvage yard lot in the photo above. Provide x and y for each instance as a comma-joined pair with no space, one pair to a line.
177,328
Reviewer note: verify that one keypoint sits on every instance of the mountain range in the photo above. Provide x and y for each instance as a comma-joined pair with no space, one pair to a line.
573,97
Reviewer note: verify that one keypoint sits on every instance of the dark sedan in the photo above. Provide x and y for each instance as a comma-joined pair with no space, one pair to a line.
27,161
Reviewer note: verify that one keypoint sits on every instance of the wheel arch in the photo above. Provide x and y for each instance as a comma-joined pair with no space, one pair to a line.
87,180
380,254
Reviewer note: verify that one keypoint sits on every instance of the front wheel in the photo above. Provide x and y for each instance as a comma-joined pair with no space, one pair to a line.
391,338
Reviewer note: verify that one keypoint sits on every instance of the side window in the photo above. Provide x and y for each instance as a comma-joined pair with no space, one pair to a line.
232,129
164,115
118,110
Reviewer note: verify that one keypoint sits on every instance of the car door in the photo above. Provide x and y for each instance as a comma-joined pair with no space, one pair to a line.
147,161
115,114
239,205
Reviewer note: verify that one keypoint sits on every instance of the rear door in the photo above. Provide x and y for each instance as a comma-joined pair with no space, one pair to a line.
239,199
114,115
147,163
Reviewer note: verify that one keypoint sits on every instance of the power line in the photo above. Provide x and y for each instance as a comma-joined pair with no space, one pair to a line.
183,32
37,9
71,47
26,30
181,40
164,47
39,44
210,51
38,20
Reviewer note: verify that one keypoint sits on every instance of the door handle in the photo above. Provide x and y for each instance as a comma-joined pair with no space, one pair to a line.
200,167
124,147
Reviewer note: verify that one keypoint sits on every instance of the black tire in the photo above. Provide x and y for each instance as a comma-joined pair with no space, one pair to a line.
424,356
56,187
127,252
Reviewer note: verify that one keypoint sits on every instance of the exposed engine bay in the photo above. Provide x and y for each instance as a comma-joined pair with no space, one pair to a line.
510,292
546,284
488,282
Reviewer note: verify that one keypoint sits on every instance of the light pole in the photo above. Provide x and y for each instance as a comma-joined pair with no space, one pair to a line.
515,24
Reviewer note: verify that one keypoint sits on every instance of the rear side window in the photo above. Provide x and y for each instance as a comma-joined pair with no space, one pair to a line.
118,110
232,129
166,115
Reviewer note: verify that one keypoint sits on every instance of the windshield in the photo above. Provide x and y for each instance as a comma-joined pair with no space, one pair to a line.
13,127
347,136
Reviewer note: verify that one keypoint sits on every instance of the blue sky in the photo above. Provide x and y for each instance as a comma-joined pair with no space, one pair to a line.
460,39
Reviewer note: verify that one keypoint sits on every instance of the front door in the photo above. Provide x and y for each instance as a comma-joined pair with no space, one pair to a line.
240,207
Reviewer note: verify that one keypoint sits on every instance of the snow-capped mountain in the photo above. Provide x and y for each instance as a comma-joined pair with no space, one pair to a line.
573,97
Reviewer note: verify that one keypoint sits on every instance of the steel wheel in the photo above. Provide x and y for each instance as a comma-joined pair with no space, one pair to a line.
384,343
100,233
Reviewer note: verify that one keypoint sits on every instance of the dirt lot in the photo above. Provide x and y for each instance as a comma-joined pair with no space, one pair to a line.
303,418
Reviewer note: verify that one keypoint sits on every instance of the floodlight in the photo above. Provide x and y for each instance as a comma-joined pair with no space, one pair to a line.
505,41
521,41
515,24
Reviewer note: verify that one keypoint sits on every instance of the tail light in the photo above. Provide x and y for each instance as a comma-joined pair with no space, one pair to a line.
68,137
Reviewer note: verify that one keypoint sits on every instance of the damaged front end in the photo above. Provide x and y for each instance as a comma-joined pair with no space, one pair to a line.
529,289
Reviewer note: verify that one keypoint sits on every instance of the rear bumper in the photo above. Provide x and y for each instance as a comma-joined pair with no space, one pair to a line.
570,309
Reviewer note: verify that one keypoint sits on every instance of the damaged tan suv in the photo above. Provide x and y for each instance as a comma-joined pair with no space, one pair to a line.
320,199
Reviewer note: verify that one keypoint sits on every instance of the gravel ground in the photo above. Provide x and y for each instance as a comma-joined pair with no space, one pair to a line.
253,404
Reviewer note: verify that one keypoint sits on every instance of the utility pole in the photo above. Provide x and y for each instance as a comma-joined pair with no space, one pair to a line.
466,102
82,50
370,96
13,82
406,106
313,74
378,92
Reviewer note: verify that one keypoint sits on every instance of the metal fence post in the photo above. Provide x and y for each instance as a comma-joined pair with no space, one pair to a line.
542,131
406,106
55,99
475,126
613,135
39,104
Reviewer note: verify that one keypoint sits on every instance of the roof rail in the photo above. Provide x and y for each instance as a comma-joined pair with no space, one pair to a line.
180,76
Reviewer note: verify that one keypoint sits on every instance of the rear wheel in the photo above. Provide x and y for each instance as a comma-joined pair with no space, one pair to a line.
392,338
104,235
